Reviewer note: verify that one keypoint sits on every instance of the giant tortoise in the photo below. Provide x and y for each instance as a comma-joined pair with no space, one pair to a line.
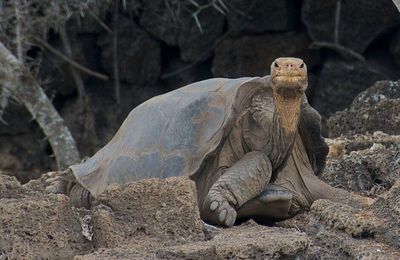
252,145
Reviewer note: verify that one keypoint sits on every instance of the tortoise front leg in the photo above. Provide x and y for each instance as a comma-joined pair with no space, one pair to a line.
243,181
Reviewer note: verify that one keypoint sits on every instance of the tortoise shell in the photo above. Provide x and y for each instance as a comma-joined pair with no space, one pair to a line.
169,135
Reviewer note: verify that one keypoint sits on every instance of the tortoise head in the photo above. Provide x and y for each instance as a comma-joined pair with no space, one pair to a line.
289,77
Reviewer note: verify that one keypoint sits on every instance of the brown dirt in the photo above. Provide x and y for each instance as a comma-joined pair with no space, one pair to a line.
158,219
33,226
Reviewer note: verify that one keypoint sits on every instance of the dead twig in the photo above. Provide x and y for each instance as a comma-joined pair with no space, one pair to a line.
218,5
100,22
18,36
337,21
72,62
206,53
75,74
115,55
342,50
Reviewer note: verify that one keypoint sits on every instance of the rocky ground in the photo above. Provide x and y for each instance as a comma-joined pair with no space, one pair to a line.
158,37
159,219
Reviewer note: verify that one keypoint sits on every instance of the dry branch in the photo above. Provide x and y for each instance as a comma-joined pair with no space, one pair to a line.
18,37
207,52
16,79
75,74
342,50
115,55
337,21
72,62
99,21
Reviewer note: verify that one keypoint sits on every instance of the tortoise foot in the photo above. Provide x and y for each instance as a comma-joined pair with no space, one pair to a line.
217,210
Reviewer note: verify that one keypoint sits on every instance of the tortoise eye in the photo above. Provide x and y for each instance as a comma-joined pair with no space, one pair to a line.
302,66
276,65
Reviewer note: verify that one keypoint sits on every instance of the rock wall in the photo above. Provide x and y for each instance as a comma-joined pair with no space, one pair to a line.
162,45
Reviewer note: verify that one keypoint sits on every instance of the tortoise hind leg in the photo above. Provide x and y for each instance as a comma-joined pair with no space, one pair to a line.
273,204
64,182
80,197
322,190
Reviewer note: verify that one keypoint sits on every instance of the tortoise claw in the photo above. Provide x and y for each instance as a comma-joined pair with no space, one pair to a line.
231,219
214,205
52,179
52,174
226,215
56,187
51,189
59,182
222,215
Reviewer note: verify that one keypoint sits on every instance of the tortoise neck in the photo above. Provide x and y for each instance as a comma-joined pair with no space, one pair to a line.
287,112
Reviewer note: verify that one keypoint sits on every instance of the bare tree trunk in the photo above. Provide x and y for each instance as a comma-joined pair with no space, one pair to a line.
21,84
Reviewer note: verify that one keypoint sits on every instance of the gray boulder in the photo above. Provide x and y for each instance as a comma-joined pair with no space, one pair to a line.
340,82
173,22
139,55
369,164
272,15
359,23
253,55
375,109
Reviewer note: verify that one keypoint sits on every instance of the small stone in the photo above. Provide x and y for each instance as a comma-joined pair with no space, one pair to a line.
376,146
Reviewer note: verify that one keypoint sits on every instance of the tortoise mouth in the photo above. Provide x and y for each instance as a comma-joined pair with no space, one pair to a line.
289,85
289,80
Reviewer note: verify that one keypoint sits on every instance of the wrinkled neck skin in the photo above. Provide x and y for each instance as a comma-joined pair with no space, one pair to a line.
287,112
